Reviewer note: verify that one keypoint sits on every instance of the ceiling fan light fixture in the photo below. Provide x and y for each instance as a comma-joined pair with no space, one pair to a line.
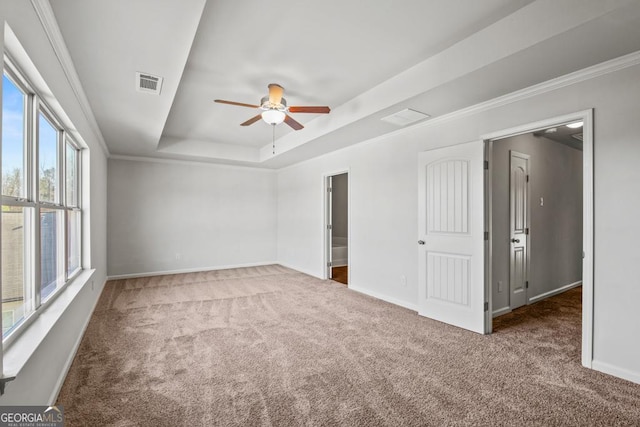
273,117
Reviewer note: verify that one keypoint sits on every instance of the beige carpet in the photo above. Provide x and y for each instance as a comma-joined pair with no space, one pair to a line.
271,346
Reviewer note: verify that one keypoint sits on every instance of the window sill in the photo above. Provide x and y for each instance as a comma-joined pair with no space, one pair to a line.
18,353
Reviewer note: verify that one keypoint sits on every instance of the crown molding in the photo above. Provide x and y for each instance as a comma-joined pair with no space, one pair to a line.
598,70
607,67
50,25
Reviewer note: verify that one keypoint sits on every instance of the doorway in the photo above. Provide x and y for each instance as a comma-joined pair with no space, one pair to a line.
539,216
337,227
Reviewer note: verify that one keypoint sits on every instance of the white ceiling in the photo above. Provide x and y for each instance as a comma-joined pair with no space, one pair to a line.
364,59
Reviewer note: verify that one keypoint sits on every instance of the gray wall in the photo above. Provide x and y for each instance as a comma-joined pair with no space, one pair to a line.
339,200
384,209
555,237
172,216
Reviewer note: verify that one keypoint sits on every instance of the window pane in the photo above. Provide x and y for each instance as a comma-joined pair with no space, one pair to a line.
51,251
48,160
16,297
73,240
13,145
72,176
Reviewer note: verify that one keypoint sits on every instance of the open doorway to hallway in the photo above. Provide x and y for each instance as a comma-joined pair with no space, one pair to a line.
338,227
536,198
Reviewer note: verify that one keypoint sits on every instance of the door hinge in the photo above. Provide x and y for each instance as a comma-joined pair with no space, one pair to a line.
486,235
486,165
328,189
329,227
486,306
527,284
527,178
526,231
329,264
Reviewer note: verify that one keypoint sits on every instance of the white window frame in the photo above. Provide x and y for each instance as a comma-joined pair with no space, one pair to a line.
34,106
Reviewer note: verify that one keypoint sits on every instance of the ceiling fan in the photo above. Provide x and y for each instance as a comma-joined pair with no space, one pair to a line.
274,109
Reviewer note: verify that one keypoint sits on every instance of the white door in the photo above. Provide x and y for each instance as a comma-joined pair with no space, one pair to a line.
329,226
519,231
451,235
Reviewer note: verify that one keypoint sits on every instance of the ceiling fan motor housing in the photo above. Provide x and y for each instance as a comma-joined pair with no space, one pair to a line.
265,104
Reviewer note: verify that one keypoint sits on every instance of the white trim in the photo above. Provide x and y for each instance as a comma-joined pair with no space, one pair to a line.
607,67
616,371
74,351
17,355
555,291
587,212
539,125
488,247
188,270
187,162
386,298
50,25
579,76
588,245
501,311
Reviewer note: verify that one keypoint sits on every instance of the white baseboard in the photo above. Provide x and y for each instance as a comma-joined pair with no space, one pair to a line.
501,311
74,350
339,263
625,374
392,300
187,270
555,291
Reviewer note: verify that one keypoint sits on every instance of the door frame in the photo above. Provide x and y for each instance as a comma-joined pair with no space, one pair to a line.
587,217
326,205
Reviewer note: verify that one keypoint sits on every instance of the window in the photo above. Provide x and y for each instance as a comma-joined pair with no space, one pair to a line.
72,199
13,138
47,160
41,210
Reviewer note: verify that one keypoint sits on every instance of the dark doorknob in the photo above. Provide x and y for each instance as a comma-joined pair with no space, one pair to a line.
421,242
515,240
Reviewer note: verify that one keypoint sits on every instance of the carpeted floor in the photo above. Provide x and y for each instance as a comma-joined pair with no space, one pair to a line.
271,346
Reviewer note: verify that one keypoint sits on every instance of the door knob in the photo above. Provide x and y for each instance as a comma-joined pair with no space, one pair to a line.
515,240
421,242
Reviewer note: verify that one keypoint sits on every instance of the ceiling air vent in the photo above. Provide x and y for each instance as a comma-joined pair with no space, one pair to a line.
148,83
405,117
577,136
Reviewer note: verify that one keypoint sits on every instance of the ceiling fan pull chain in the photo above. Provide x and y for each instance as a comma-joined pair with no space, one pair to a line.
274,138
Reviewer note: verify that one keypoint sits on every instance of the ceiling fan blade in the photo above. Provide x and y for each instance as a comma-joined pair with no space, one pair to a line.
252,120
240,104
275,93
315,110
295,125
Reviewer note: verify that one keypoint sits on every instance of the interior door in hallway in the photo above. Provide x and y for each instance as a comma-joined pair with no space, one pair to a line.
451,235
519,229
328,226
